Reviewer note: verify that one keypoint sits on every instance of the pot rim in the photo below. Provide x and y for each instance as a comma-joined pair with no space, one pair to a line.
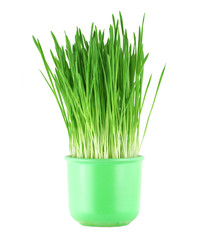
105,160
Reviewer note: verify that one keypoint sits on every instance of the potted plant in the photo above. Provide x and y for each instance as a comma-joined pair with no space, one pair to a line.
98,88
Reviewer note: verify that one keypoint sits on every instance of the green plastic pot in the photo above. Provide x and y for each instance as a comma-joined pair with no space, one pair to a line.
104,192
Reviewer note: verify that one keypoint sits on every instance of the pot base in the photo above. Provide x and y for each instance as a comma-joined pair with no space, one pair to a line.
87,224
116,220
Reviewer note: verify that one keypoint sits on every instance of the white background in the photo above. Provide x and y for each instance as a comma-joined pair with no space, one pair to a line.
33,139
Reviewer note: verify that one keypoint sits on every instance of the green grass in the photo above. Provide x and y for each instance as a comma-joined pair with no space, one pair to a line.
98,87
